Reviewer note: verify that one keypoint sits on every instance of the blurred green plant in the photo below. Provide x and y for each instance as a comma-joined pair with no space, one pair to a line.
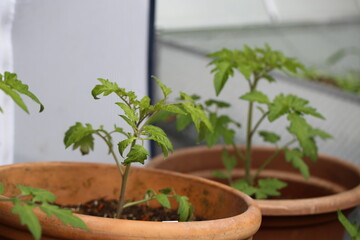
348,81
256,65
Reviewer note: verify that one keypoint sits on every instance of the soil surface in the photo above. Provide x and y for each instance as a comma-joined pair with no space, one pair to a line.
107,208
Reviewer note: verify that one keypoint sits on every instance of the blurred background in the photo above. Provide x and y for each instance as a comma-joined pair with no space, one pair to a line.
324,35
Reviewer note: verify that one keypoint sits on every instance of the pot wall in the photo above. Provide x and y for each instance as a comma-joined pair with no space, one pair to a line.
335,184
75,183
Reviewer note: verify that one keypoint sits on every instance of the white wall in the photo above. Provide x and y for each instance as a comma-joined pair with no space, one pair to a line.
188,14
60,48
6,64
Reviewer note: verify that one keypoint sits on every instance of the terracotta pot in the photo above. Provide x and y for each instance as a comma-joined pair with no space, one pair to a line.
75,183
310,213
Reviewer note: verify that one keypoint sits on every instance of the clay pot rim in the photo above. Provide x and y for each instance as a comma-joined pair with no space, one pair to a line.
252,215
304,206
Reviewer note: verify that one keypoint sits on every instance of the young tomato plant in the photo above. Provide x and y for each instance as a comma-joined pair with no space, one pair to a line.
30,197
138,115
256,65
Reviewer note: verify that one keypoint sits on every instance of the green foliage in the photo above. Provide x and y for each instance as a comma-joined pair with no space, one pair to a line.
352,228
137,153
12,86
138,114
295,156
185,208
348,81
265,187
250,62
80,136
269,136
64,215
27,217
256,65
31,198
229,163
256,96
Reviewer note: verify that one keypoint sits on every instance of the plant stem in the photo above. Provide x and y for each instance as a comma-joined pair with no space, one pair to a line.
120,206
112,153
258,123
272,157
247,162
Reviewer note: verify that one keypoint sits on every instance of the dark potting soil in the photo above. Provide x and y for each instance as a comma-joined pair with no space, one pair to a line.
107,208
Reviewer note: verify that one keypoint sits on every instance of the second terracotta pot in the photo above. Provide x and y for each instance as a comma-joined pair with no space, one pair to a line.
310,210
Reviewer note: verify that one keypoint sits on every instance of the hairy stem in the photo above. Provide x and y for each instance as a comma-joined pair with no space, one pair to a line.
120,206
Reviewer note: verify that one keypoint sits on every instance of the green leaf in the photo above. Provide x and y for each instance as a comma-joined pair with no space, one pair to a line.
80,135
269,187
2,189
106,87
39,195
255,96
197,116
184,208
220,174
128,121
352,229
162,116
120,130
295,157
129,112
302,130
163,200
320,133
124,144
229,162
244,187
278,108
269,136
246,71
223,71
165,90
290,104
182,121
144,102
173,109
186,97
64,215
166,190
136,154
27,217
217,103
14,95
159,136
11,84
